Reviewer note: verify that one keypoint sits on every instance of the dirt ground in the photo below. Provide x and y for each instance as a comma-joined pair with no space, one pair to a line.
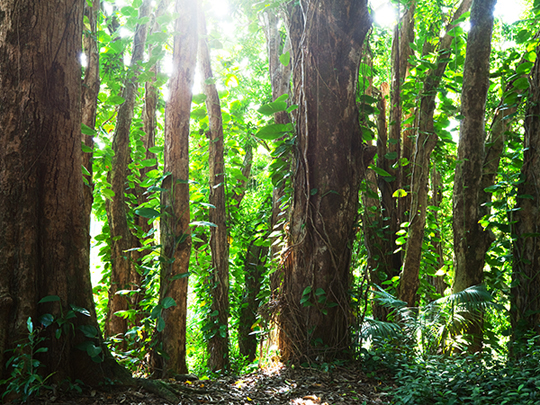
272,386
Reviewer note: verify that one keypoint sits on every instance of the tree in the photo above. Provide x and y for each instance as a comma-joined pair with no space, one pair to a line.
330,161
175,218
426,139
469,262
44,247
122,239
525,309
218,345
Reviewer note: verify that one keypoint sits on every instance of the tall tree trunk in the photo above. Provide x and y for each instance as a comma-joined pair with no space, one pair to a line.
175,233
400,143
280,80
315,311
117,209
218,345
426,139
90,91
149,127
525,308
253,273
379,241
468,260
436,200
44,243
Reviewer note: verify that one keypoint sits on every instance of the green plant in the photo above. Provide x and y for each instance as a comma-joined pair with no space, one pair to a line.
25,380
436,326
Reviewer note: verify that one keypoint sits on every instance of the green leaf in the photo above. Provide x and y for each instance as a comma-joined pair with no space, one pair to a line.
89,331
181,275
307,290
285,58
46,320
272,108
155,149
86,130
379,171
29,325
107,193
199,98
168,302
273,131
80,310
160,324
292,108
49,298
147,213
148,162
115,100
313,191
522,83
391,155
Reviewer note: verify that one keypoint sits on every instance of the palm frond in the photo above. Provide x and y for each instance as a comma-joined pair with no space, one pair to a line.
374,328
387,300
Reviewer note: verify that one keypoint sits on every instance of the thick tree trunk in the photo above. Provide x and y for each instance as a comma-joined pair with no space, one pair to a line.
44,243
315,311
426,139
218,345
117,209
468,255
175,231
525,308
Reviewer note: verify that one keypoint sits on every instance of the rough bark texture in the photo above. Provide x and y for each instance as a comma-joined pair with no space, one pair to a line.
121,236
175,232
330,166
426,139
468,255
218,345
436,200
525,308
253,272
90,91
44,243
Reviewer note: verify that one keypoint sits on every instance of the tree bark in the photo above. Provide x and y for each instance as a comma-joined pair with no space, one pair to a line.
426,139
330,166
218,345
175,231
90,91
253,273
117,210
468,256
525,302
44,243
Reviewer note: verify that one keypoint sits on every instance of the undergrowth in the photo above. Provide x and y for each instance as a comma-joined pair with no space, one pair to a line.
458,379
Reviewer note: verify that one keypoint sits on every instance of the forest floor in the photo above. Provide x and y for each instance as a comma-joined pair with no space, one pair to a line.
275,385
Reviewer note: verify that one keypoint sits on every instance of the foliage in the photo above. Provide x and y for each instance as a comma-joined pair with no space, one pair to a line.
25,380
437,327
475,379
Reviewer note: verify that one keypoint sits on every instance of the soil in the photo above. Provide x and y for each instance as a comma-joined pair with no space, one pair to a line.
275,385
